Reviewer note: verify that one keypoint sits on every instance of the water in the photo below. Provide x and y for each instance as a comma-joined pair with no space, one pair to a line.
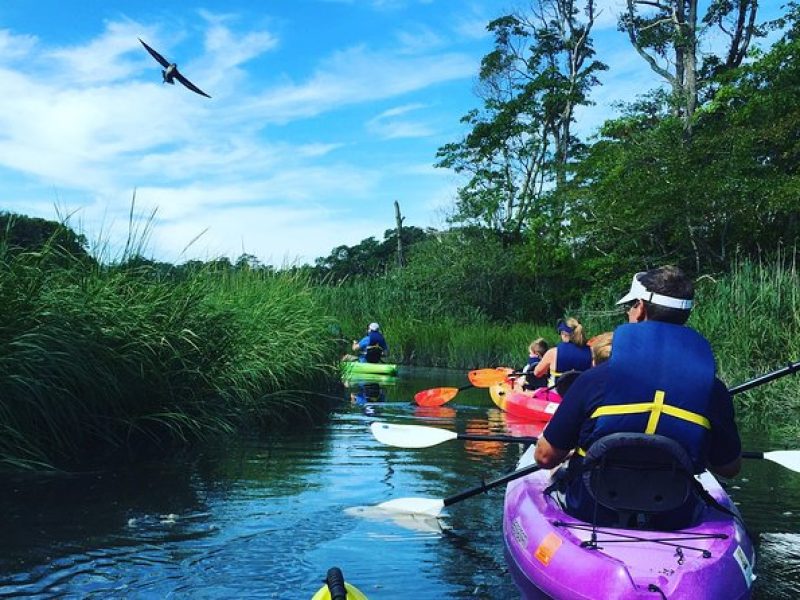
266,519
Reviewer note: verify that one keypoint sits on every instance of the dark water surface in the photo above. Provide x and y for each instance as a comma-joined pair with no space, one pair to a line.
260,519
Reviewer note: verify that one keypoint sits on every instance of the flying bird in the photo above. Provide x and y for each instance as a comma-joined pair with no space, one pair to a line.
171,73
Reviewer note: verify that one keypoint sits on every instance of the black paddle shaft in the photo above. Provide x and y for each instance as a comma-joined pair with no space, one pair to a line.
474,437
749,385
487,485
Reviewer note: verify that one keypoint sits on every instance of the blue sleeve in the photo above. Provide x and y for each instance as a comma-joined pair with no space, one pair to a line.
563,430
364,342
724,443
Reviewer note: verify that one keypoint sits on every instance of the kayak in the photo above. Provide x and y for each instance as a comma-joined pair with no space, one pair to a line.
352,379
350,368
336,588
535,405
543,547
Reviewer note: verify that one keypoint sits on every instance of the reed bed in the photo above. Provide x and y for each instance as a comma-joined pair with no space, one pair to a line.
95,359
751,316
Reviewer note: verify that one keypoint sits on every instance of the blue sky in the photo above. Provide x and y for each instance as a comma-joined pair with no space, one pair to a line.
323,113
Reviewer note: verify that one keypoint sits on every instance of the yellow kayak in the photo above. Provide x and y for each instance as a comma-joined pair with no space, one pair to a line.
336,588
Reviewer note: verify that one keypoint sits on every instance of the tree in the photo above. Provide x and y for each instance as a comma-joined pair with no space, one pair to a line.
19,233
668,34
520,143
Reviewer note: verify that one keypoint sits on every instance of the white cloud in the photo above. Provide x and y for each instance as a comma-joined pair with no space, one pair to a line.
355,76
387,125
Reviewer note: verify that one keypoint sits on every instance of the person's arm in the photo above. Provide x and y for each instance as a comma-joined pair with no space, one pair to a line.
725,446
728,470
543,368
547,455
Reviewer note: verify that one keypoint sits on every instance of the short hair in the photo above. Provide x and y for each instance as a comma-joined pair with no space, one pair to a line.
538,346
668,281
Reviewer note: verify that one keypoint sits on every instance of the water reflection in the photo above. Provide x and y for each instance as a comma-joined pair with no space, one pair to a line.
267,518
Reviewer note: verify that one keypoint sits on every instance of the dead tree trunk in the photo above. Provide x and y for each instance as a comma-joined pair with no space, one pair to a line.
399,221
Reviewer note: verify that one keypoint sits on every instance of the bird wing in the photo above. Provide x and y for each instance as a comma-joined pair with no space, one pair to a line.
179,76
163,61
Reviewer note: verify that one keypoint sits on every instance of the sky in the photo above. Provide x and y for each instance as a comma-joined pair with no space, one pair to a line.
322,114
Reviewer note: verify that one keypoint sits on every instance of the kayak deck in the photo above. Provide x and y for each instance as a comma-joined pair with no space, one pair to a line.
349,368
550,554
535,405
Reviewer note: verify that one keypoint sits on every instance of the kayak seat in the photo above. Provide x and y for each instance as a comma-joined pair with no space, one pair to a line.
644,481
373,354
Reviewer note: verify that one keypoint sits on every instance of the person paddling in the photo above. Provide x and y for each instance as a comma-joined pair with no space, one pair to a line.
371,347
571,354
660,380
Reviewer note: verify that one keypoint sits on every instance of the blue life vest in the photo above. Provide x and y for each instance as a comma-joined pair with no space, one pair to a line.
375,347
660,381
570,357
531,381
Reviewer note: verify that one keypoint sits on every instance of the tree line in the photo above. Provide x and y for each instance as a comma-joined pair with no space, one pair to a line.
697,172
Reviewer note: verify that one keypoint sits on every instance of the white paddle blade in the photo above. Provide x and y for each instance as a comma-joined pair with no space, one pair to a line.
786,458
410,436
419,506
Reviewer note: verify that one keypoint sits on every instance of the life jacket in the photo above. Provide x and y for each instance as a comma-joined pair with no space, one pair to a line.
570,357
375,348
531,381
660,381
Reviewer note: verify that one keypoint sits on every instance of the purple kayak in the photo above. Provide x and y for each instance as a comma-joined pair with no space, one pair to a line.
543,548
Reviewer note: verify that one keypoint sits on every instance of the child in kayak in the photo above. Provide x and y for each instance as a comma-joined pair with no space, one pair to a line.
535,353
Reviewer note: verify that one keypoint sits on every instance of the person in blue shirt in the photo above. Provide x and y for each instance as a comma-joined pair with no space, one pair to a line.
660,379
372,347
570,354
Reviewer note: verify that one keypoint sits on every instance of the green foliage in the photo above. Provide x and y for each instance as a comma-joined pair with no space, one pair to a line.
369,258
520,142
19,233
96,359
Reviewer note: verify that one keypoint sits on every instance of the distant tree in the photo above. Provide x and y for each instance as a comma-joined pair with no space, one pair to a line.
20,233
369,257
520,143
668,35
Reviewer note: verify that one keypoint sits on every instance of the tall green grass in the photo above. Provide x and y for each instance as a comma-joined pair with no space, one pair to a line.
751,316
97,358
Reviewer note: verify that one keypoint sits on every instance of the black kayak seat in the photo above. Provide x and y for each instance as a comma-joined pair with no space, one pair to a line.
373,354
639,476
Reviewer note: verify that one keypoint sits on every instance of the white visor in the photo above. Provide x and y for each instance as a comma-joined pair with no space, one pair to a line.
639,292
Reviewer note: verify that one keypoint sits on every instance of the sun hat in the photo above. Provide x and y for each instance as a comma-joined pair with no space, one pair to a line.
639,292
373,327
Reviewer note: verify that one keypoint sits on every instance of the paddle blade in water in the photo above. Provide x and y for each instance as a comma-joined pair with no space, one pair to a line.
418,506
485,378
436,396
410,436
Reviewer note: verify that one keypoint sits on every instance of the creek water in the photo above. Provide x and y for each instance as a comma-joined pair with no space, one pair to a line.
266,518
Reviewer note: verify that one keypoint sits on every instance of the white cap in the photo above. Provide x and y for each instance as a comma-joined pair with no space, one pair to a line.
373,327
639,292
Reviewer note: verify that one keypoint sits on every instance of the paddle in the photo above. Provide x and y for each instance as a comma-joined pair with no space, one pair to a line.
481,378
419,436
438,396
789,459
433,507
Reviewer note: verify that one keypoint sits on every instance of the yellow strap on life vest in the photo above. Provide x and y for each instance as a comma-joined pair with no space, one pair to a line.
655,408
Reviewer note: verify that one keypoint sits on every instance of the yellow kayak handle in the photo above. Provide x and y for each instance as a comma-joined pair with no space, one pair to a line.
336,588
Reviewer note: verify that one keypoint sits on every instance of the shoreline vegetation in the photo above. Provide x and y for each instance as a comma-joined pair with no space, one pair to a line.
107,357
110,361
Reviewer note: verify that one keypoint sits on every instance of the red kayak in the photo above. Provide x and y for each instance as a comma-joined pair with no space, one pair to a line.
535,405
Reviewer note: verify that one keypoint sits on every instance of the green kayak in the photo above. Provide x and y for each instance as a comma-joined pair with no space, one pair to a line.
351,368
